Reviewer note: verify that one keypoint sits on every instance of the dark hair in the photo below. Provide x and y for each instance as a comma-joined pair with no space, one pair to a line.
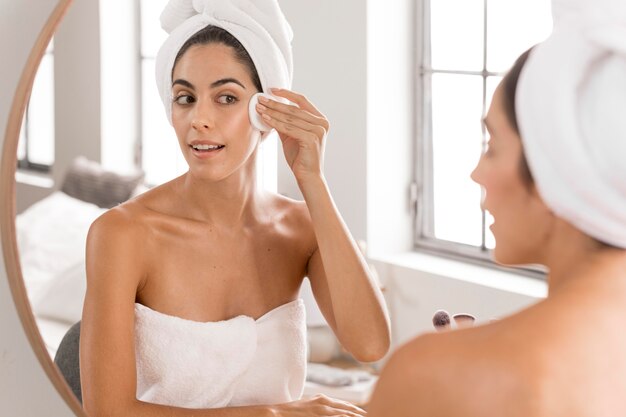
509,84
213,34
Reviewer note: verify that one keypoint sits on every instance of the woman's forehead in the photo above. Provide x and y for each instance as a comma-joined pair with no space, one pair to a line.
210,61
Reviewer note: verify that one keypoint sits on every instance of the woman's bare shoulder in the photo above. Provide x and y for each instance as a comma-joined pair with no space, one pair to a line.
291,213
133,217
470,372
124,218
128,225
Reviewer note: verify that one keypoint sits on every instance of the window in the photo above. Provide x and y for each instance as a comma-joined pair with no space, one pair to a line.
36,145
161,158
468,45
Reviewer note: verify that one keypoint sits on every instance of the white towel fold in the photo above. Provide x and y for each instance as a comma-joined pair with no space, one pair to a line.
235,362
191,364
259,25
571,110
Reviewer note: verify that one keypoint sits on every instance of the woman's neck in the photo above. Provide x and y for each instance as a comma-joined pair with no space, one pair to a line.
231,202
573,257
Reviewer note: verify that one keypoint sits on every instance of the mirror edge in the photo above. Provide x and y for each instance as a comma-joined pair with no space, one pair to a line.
8,166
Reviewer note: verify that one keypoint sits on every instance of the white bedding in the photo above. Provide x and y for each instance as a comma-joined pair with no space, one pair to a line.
51,236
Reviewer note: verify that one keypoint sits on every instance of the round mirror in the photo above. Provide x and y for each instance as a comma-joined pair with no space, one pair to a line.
85,94
30,26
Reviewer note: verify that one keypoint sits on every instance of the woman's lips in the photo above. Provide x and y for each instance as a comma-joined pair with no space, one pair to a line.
206,153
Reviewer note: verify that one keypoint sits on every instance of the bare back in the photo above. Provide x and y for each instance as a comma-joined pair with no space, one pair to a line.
564,356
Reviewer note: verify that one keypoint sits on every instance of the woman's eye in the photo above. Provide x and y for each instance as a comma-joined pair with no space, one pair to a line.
227,99
183,100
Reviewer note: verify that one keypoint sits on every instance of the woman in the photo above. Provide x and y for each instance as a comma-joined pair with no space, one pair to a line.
191,305
553,178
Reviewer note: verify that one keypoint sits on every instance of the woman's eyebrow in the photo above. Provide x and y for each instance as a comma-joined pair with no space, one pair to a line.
214,84
226,81
184,83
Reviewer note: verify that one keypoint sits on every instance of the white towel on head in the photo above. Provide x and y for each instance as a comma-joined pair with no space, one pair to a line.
571,110
259,25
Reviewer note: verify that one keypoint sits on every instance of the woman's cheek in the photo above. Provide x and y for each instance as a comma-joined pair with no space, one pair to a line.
238,119
236,124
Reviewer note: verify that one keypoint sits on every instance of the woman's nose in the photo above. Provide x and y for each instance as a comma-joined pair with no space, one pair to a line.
475,175
203,119
200,124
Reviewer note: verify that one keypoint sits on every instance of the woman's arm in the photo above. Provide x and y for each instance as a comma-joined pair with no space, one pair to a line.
115,272
345,290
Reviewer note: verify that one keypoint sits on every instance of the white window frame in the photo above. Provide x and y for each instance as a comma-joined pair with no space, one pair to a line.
422,193
25,163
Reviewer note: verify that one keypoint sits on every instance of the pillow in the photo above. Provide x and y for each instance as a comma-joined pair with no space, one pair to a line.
62,297
51,237
88,181
140,189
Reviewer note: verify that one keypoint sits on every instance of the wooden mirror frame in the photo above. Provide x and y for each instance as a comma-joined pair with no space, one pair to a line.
8,165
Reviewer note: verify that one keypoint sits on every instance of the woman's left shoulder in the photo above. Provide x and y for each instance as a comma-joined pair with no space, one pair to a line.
292,220
291,211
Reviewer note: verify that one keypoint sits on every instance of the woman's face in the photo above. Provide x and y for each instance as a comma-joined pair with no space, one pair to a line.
521,220
211,90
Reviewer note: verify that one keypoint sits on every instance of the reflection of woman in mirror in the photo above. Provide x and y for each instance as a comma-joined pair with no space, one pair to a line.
554,180
192,287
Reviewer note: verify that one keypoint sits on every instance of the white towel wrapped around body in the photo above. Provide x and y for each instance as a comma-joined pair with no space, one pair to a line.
234,362
571,110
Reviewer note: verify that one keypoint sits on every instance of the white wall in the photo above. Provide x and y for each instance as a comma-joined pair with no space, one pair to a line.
391,76
77,86
77,95
330,59
417,285
24,388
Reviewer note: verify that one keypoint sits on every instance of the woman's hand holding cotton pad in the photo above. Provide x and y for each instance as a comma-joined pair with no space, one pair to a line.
255,118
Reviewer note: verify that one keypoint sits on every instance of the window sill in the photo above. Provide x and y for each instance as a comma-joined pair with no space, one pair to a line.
466,272
34,179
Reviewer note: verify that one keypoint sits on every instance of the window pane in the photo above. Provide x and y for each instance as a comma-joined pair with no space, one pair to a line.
41,115
152,36
119,79
457,106
162,158
457,34
513,26
492,84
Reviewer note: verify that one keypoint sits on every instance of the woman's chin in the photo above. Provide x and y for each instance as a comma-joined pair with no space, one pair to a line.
509,256
503,256
205,175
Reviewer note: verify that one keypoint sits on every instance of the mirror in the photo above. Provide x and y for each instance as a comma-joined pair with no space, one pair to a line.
48,15
92,99
70,114
84,116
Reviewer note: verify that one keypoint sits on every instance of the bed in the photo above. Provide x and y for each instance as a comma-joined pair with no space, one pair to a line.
51,237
